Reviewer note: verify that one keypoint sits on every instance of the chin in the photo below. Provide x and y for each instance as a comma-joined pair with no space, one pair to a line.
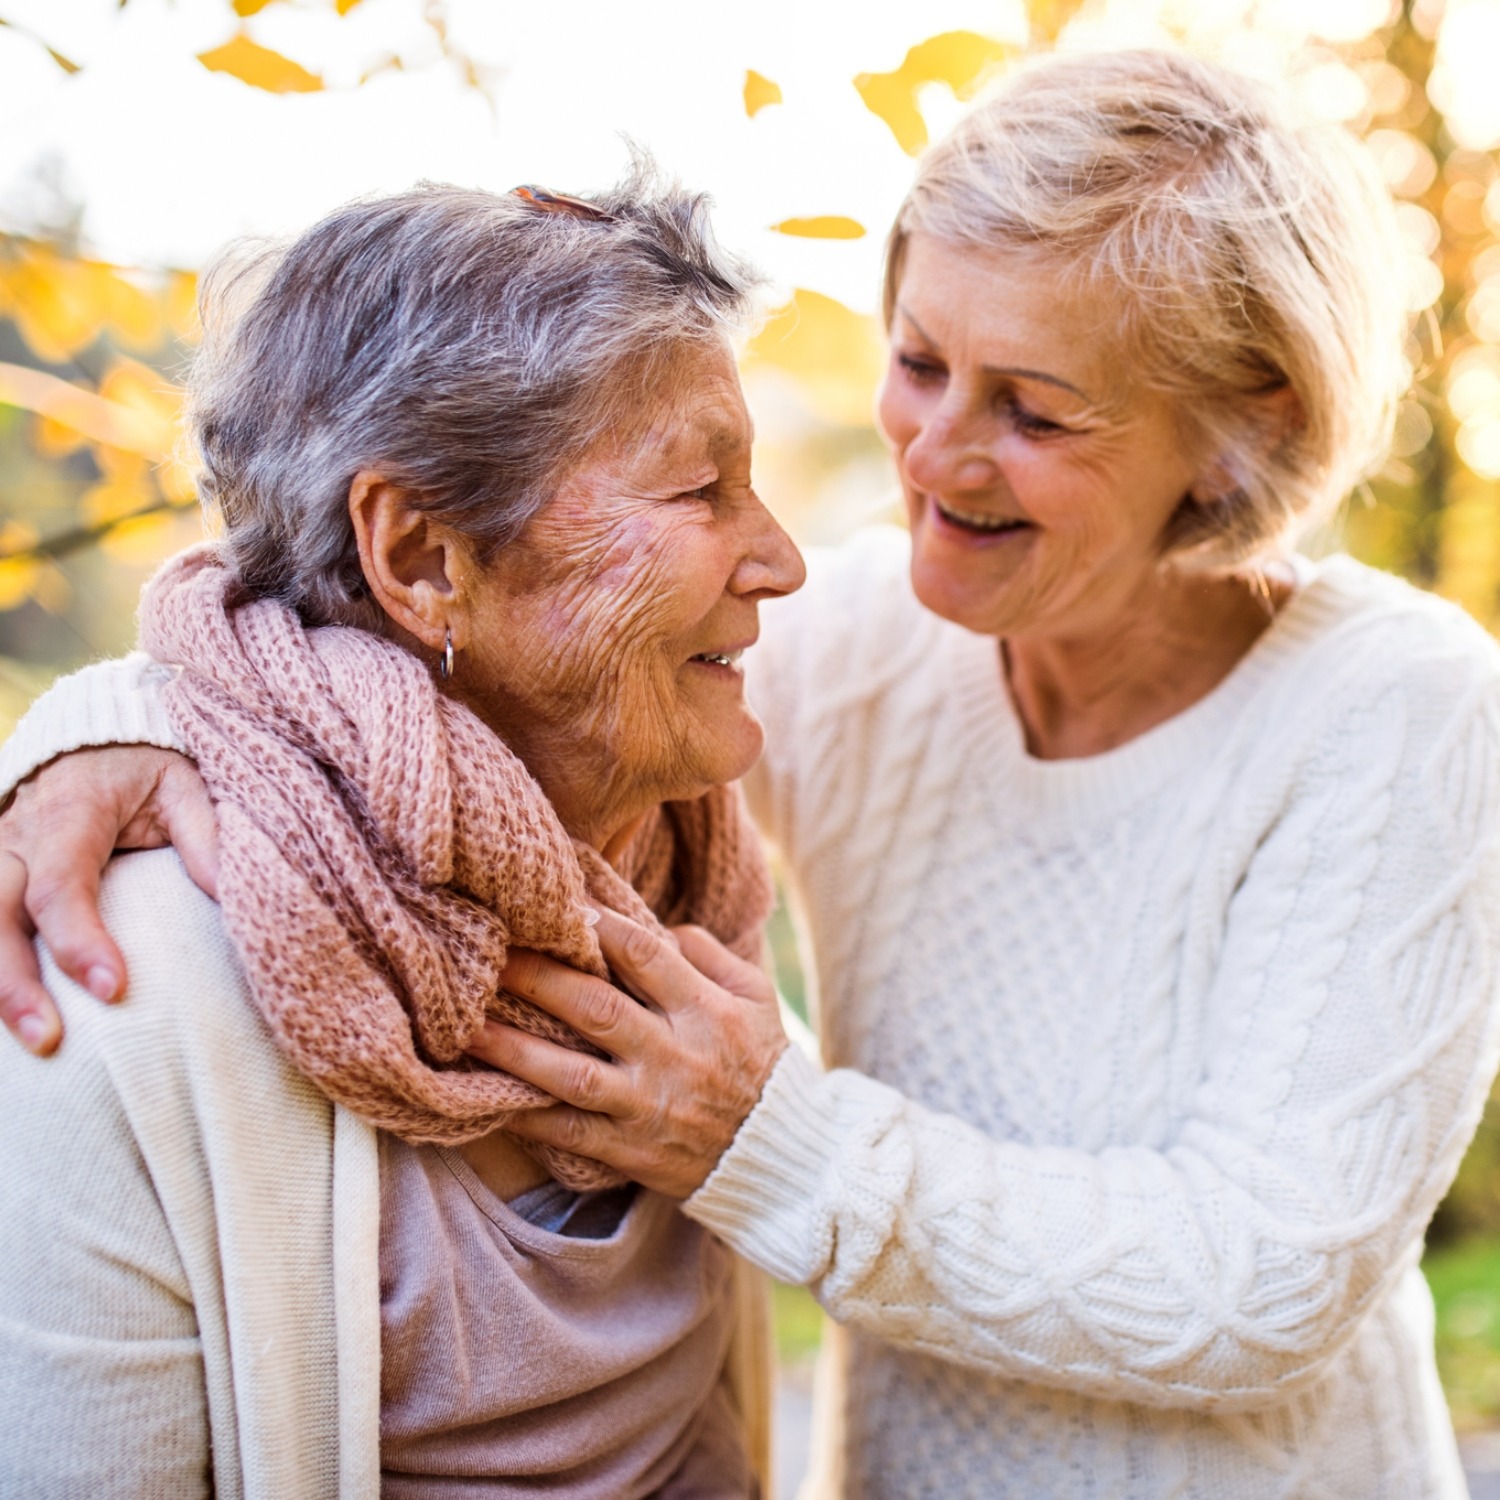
728,756
960,602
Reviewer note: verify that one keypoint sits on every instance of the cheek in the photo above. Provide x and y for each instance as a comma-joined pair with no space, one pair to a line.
617,613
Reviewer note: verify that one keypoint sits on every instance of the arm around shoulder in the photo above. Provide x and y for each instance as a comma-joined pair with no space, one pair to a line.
109,703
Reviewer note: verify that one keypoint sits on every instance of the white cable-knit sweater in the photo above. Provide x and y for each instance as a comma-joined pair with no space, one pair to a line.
1147,1069
1150,1067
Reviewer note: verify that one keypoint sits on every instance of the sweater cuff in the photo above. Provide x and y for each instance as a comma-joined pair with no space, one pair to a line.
109,703
762,1197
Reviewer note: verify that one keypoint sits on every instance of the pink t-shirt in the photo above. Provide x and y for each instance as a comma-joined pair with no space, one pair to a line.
542,1363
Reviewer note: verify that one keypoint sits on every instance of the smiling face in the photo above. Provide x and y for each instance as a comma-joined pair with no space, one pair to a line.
1038,476
604,643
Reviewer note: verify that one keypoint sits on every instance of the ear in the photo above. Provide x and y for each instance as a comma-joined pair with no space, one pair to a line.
415,566
1266,419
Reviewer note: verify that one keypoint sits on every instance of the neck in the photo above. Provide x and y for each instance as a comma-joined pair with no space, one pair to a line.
1083,693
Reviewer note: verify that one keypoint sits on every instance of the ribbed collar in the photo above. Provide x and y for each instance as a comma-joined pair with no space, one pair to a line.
1096,786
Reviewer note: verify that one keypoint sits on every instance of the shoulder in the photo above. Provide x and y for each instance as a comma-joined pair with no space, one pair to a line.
186,1033
1380,615
1355,636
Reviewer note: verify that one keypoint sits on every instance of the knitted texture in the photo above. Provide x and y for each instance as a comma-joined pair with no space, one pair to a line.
381,851
1148,1068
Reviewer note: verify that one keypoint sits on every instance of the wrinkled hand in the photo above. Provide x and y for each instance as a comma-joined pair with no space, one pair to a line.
56,838
684,1069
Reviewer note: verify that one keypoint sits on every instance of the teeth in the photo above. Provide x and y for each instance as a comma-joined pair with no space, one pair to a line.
719,658
977,522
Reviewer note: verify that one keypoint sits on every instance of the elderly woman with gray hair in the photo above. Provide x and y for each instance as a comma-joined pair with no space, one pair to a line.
462,674
1152,869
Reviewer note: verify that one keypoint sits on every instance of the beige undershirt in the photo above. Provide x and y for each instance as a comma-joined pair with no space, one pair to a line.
543,1363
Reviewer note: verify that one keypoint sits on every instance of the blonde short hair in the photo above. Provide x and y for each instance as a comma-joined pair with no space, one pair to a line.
1248,251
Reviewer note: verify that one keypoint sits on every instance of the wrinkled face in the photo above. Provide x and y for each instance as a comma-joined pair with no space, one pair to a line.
1038,476
604,643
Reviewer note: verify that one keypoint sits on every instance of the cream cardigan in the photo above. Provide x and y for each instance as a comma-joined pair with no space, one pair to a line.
189,1238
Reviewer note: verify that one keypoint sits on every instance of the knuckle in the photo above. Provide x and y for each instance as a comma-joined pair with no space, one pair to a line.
640,946
581,1081
570,1131
599,1009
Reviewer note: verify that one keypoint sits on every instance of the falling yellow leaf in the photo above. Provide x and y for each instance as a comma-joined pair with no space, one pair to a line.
345,6
249,7
835,355
960,59
759,92
822,227
260,67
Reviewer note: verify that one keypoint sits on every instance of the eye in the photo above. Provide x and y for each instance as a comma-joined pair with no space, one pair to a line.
919,370
703,492
1028,424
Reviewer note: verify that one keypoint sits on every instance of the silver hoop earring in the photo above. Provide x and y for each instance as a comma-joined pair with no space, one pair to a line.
445,666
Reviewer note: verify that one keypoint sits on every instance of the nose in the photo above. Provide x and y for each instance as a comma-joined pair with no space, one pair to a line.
950,454
770,564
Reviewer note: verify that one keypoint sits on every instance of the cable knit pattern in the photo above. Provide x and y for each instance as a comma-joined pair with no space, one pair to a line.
381,850
1164,1056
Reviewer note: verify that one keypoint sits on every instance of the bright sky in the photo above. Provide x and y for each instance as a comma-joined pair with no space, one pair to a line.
170,160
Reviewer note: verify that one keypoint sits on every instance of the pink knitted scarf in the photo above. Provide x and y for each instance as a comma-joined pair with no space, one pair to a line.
381,850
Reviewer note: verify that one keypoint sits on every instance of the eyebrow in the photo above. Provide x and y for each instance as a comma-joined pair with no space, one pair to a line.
1018,371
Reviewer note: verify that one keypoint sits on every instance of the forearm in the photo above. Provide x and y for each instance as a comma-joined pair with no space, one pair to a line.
115,702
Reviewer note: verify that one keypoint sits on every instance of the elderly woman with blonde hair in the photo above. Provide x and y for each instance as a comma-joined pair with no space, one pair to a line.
1151,868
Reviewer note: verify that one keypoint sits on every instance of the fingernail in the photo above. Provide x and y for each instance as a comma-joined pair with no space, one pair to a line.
34,1033
101,982
590,917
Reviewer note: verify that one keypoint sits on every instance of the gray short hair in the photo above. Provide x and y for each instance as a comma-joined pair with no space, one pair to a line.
468,346
1246,251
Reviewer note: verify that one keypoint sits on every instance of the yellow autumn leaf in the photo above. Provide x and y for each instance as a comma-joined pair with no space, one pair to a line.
129,312
60,303
180,301
17,575
140,542
835,355
822,227
759,92
345,6
56,439
249,7
45,296
960,59
115,499
16,581
260,67
139,388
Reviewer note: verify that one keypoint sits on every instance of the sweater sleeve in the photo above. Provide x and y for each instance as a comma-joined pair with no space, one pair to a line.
109,703
1350,1035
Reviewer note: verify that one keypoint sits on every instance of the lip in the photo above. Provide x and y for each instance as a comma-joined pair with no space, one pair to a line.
972,536
733,653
